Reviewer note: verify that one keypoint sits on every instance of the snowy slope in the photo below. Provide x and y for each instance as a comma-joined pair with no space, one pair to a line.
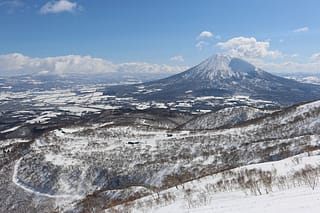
214,193
300,200
214,67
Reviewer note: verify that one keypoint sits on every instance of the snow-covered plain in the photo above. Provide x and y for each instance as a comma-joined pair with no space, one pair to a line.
40,107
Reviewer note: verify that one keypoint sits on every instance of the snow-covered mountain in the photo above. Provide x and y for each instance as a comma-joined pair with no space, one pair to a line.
223,76
219,67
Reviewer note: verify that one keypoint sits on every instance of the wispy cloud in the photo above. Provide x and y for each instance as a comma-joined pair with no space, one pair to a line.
295,55
11,5
201,44
248,48
59,6
300,30
289,66
177,58
316,57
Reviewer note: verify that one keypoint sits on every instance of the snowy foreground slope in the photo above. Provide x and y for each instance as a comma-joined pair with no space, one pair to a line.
293,200
287,191
124,161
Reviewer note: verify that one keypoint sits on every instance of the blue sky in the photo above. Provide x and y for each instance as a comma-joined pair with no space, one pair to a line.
268,33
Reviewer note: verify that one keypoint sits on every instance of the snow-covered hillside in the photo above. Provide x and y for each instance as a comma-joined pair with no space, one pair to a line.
292,184
118,157
226,117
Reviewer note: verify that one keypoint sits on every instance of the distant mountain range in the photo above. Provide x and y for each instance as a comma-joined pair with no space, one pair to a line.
222,76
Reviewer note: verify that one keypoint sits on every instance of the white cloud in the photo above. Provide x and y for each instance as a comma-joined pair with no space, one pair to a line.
204,34
295,55
16,63
207,34
59,6
177,58
316,57
300,30
60,65
248,48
